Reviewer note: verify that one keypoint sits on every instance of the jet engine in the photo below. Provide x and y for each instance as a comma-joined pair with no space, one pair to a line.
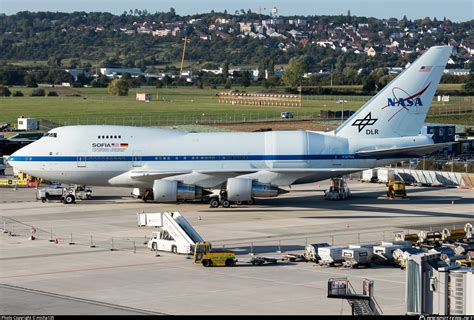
172,190
243,189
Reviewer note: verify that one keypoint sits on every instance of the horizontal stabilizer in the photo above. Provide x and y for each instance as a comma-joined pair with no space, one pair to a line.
405,151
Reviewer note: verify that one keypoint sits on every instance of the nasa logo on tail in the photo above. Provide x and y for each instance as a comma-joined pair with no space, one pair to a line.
410,103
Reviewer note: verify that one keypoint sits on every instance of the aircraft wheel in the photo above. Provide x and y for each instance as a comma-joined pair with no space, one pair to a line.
250,202
226,203
69,199
214,202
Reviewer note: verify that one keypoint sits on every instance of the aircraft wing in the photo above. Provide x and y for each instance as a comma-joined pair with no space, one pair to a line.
212,178
408,152
147,175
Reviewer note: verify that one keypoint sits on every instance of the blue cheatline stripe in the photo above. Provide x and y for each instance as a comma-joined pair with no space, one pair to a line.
201,158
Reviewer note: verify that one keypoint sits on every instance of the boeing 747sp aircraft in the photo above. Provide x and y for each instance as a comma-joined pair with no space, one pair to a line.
185,166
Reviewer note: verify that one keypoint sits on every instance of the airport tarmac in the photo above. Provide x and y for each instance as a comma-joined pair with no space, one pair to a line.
44,277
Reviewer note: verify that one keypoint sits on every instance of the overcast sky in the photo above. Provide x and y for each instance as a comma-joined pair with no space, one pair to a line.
455,10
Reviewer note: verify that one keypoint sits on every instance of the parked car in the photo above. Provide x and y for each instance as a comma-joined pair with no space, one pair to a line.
287,115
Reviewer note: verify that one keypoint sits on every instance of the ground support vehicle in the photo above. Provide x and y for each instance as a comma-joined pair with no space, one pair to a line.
311,251
356,256
330,256
258,260
64,193
214,258
175,235
396,189
338,190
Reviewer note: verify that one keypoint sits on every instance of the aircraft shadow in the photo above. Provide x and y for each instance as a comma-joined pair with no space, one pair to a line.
367,202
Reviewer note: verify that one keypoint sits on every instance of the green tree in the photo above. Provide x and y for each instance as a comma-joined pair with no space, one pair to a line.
469,85
54,61
245,79
270,68
118,87
261,70
4,92
225,70
30,81
338,72
38,93
349,75
167,80
383,81
126,76
368,84
293,75
228,83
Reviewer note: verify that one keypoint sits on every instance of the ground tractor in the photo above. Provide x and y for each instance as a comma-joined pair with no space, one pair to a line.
214,258
396,189
66,194
338,190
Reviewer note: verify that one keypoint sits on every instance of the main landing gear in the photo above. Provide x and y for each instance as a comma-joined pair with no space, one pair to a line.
222,200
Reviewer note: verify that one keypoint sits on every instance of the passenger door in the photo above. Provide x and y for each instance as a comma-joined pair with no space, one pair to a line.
136,158
81,159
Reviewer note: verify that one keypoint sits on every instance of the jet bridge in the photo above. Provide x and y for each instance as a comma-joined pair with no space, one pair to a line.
175,235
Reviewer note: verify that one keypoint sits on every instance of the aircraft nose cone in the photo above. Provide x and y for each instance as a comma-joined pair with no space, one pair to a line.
15,159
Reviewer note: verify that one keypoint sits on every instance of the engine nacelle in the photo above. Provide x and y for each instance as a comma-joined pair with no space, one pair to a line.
172,190
243,189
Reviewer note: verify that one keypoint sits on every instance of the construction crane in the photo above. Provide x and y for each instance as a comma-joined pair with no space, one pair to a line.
182,57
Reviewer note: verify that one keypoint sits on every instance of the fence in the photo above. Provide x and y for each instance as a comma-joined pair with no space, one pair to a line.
16,228
157,121
260,99
275,245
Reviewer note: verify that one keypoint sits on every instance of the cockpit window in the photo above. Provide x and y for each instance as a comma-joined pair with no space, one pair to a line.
51,134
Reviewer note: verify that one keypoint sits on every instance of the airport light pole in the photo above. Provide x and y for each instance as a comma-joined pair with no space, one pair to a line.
301,102
342,102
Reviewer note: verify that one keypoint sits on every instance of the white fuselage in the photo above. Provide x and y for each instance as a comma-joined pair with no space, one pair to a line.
97,155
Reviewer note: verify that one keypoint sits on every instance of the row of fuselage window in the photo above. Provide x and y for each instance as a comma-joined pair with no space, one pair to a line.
109,137
138,158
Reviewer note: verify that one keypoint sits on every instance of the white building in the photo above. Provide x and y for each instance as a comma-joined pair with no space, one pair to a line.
457,72
113,73
27,124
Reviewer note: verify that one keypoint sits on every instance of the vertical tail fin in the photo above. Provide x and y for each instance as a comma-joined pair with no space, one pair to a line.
401,107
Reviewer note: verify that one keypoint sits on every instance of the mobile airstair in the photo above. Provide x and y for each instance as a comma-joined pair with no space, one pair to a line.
361,304
175,233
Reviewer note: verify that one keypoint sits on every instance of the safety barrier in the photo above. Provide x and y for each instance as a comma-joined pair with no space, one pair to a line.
435,178
260,99
15,228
